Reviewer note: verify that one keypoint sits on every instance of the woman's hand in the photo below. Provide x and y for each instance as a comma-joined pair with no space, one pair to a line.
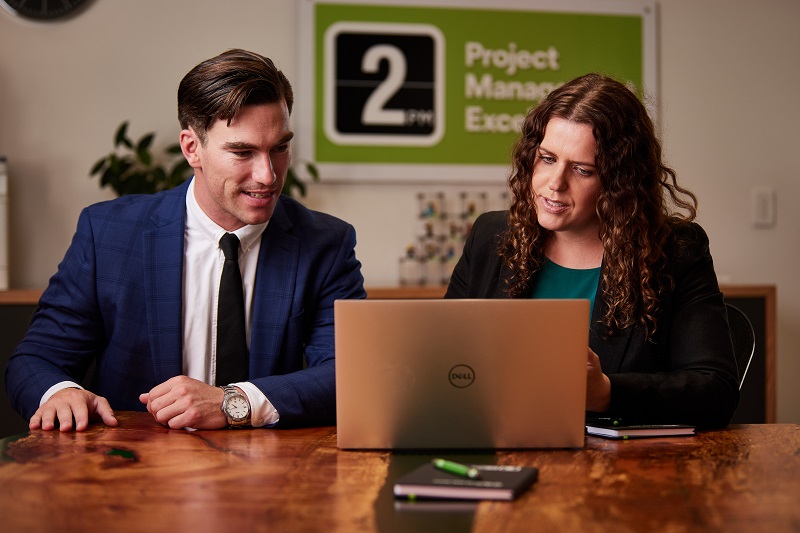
598,386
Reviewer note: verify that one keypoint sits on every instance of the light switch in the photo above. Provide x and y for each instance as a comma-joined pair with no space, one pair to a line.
764,207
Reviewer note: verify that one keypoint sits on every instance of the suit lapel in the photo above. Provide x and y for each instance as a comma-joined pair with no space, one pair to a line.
162,248
610,350
274,290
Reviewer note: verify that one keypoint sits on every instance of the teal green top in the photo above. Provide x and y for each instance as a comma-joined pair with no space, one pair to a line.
555,281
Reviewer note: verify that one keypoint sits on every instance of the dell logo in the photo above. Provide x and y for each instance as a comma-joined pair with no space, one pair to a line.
461,376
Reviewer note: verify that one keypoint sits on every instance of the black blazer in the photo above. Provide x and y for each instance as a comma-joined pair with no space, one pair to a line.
686,372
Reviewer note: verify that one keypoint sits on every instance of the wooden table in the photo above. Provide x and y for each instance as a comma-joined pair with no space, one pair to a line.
144,477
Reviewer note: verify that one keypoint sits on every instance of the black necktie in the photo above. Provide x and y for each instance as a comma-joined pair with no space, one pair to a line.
232,359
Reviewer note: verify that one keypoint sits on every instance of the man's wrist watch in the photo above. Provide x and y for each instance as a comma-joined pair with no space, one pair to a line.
235,407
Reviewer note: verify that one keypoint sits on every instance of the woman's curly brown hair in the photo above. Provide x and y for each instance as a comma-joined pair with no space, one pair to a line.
633,210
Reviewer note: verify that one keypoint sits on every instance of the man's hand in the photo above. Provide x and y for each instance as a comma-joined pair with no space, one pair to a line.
598,386
183,402
70,405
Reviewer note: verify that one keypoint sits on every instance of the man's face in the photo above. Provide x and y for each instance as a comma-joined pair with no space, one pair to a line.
240,169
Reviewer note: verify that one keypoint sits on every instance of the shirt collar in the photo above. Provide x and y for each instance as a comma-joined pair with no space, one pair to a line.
197,219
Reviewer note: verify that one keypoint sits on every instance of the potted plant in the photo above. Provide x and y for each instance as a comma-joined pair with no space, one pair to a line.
130,168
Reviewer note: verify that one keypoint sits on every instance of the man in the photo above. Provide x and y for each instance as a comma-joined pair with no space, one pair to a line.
137,290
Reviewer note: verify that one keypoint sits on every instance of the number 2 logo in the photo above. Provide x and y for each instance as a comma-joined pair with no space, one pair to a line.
384,84
375,112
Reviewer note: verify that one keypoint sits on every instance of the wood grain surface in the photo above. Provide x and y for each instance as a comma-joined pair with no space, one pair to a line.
142,476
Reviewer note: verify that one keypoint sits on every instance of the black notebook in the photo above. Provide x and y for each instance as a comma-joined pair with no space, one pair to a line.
495,483
617,430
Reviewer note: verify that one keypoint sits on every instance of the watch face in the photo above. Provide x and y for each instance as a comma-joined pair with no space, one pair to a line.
237,407
42,9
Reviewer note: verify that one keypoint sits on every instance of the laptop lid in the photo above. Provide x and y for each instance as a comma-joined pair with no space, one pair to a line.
461,374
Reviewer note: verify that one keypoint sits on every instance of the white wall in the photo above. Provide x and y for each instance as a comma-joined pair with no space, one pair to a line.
729,72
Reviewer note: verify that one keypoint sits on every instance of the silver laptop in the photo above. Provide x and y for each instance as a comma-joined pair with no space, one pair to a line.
461,374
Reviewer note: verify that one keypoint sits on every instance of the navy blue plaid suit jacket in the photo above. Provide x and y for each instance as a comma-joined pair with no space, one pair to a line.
117,300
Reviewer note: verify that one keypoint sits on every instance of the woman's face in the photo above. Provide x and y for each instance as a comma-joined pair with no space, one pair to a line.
565,182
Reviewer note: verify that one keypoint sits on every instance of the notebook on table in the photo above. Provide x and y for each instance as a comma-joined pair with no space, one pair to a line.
461,374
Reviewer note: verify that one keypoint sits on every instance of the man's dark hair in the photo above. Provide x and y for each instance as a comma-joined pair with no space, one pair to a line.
218,87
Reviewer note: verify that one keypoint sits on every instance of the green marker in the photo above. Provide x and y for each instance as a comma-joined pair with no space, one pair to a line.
469,472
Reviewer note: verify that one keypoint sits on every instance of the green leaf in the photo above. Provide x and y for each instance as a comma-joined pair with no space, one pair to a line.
123,165
145,142
313,171
98,166
291,178
122,170
106,178
113,163
293,182
111,179
143,155
120,137
301,187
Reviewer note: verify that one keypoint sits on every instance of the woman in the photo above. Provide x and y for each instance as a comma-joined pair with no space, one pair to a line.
597,215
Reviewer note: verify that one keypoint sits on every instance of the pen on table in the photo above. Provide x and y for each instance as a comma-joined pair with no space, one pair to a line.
469,472
605,421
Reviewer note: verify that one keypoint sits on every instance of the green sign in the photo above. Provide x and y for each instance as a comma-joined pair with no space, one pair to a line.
423,86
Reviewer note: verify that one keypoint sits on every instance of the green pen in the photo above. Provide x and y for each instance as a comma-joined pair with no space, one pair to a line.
469,472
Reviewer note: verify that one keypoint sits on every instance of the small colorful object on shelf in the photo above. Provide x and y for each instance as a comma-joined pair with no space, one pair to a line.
441,236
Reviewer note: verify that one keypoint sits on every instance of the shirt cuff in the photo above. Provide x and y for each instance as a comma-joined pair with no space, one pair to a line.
58,387
262,412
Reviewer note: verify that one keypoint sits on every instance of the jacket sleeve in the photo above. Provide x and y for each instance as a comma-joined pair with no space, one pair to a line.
307,396
687,372
66,332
